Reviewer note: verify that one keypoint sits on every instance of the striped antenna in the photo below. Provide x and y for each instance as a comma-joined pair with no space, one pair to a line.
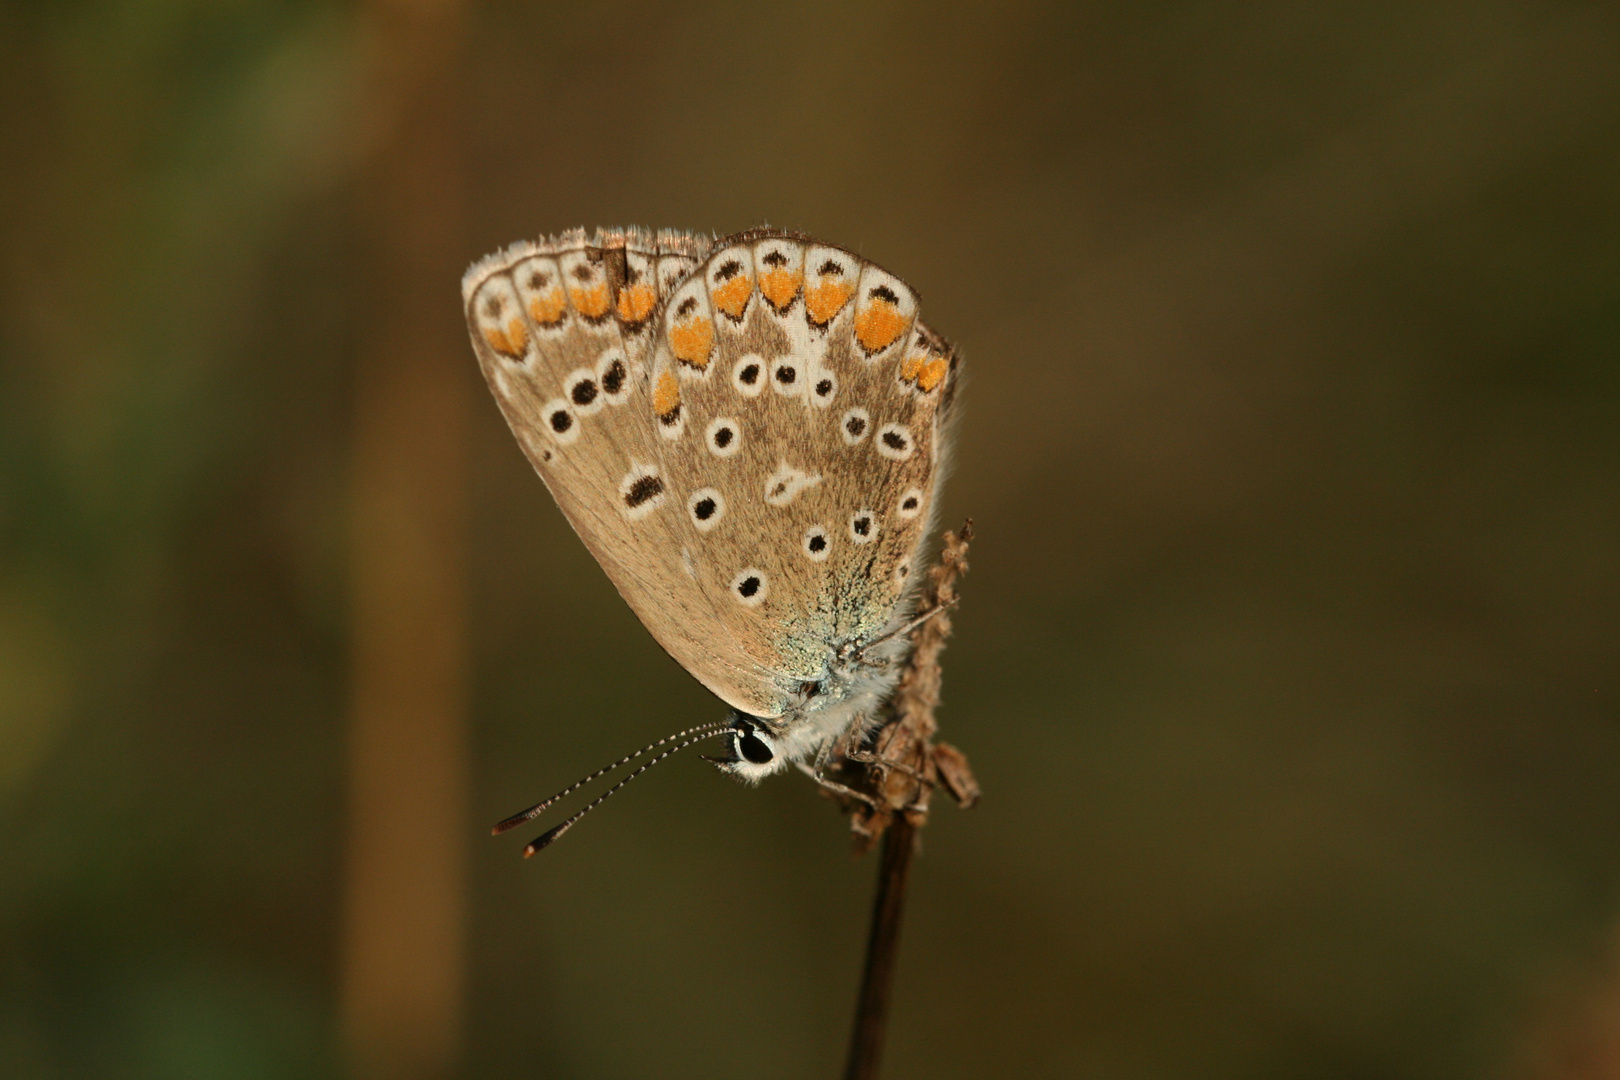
547,838
540,807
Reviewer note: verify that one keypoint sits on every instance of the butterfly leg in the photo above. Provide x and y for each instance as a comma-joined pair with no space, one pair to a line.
851,751
835,787
823,755
856,655
865,758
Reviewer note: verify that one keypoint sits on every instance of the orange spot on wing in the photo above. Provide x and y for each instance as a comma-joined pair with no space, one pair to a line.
732,297
667,394
780,286
636,302
878,326
547,308
592,302
692,341
923,371
509,342
826,299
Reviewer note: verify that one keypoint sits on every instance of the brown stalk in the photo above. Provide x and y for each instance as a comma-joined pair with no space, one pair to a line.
402,939
890,780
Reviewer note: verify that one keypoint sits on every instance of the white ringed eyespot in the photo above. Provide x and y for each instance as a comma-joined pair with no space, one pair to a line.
583,392
723,437
558,418
749,375
823,387
854,425
750,587
641,491
786,377
613,375
815,543
894,442
706,506
910,503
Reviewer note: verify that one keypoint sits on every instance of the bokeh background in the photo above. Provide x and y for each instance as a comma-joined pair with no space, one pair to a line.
1287,661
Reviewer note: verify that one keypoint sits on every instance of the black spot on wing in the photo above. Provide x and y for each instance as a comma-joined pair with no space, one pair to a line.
645,487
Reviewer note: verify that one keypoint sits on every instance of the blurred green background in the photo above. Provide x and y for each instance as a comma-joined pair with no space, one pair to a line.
1288,658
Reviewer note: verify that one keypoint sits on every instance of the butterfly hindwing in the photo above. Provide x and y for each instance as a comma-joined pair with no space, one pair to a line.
822,456
746,434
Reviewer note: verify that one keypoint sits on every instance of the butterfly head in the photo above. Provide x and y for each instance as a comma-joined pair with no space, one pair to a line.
753,749
849,693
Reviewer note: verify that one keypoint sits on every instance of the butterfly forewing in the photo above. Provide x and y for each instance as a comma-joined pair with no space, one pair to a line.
563,333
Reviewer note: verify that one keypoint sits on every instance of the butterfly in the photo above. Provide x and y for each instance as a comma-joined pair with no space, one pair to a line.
749,434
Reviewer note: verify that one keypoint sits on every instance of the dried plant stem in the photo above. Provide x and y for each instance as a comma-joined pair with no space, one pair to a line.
895,777
883,941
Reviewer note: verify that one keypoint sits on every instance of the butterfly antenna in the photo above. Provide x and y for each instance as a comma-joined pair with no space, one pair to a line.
538,808
547,838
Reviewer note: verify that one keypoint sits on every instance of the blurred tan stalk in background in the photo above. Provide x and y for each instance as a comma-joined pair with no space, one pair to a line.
402,950
1575,1035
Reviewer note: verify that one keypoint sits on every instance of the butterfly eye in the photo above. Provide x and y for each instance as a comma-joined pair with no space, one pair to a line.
752,749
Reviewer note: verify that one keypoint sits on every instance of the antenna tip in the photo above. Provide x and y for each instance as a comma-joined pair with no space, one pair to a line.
545,839
517,819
